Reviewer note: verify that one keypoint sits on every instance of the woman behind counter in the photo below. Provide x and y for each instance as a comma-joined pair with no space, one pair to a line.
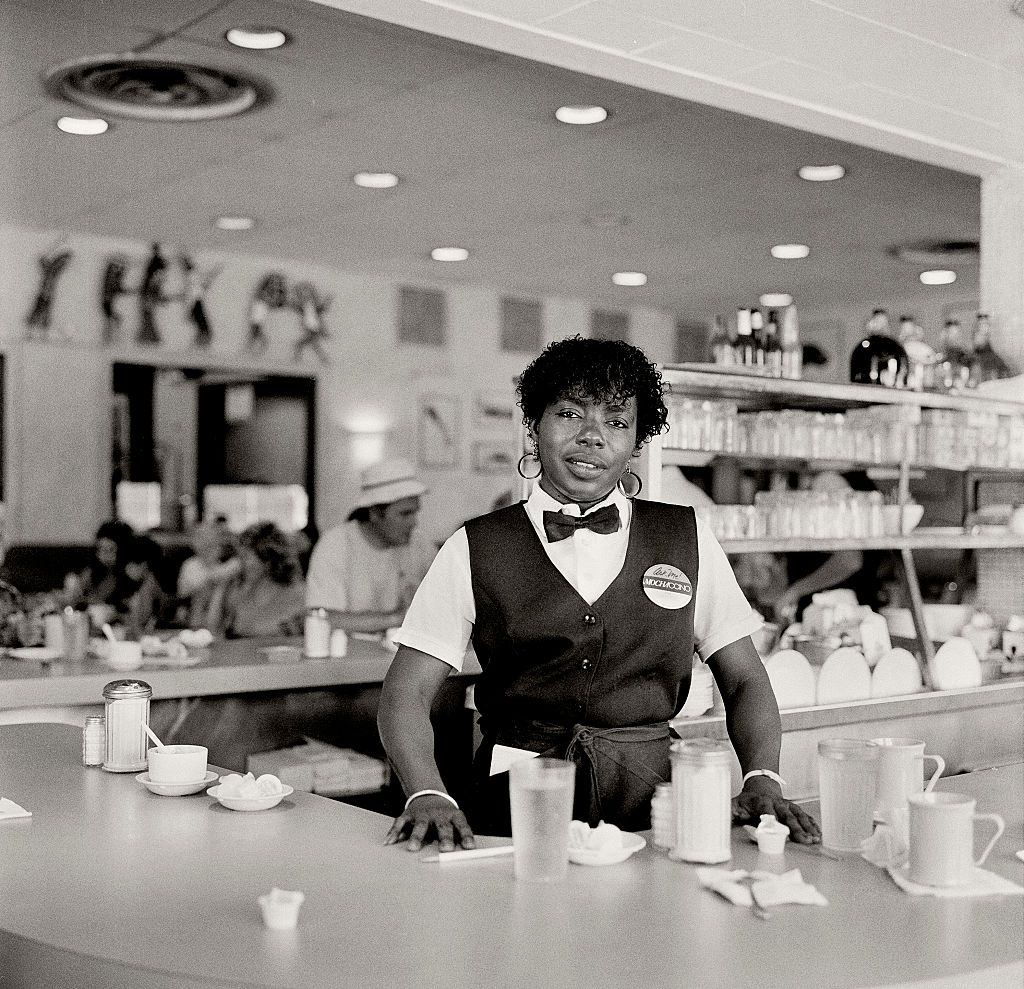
584,608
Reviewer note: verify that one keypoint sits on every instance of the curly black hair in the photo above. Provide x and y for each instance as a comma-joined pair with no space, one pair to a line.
580,368
274,548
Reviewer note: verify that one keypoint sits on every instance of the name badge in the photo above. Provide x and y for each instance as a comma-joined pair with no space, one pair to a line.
668,587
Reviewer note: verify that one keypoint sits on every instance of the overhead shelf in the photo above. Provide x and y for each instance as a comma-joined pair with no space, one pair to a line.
758,391
920,539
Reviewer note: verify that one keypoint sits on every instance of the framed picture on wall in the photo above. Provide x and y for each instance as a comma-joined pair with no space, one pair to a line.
493,456
439,430
493,411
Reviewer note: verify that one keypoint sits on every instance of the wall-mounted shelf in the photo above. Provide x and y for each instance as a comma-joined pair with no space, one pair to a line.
921,539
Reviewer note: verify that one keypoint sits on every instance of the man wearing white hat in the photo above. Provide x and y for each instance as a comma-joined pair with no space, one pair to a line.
366,570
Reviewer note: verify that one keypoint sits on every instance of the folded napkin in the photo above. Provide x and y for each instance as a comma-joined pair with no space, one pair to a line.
9,810
771,889
889,845
983,883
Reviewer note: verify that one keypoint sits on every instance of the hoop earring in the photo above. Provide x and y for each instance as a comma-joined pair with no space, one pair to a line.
629,472
522,472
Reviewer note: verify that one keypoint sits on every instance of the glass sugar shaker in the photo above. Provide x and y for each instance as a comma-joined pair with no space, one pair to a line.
94,740
701,791
126,711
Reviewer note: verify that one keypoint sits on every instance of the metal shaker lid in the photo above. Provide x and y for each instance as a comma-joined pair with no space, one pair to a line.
122,689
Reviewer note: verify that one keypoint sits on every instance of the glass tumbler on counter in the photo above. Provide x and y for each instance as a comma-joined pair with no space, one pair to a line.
540,796
847,785
126,712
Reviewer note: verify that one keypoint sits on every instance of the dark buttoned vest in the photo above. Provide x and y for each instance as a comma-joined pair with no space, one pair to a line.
549,657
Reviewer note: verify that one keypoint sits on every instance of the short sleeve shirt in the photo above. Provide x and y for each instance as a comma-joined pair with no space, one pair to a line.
440,620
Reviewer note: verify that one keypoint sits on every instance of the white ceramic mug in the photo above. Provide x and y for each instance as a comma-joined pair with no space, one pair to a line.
942,838
901,773
124,655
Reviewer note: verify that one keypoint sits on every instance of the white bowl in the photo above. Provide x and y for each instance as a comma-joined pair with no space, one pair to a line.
177,764
124,655
250,803
943,621
897,521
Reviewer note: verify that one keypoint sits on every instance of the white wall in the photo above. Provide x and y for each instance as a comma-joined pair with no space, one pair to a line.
57,415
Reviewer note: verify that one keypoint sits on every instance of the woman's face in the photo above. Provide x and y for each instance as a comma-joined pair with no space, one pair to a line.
584,447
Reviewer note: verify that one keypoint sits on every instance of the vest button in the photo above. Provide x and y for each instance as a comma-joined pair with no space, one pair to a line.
586,664
590,619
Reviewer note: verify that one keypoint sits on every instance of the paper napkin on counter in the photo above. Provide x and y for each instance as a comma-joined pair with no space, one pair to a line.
889,844
983,883
771,889
10,810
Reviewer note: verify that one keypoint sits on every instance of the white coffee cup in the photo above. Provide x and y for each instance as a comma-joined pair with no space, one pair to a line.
177,763
901,773
124,655
942,838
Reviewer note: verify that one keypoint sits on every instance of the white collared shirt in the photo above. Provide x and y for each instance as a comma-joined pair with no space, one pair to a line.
440,619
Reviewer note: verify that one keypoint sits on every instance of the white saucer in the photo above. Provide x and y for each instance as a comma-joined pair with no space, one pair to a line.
631,843
176,789
38,654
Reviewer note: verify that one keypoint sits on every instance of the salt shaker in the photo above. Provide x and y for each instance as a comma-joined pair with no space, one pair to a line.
126,711
701,791
663,816
317,637
94,740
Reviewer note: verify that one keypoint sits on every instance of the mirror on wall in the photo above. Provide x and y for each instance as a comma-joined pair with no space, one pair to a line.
190,443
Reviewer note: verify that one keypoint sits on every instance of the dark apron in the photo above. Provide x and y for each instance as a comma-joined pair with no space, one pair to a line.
617,770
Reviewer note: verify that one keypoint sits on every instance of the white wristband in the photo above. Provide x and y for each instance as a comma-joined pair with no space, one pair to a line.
765,772
435,793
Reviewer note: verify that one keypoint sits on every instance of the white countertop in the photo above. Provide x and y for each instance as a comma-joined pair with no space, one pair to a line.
108,884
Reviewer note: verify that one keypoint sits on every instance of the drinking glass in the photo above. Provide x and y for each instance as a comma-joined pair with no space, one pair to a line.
847,784
540,793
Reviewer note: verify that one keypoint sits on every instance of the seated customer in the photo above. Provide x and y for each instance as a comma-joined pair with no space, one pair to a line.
101,582
267,597
144,603
211,564
366,571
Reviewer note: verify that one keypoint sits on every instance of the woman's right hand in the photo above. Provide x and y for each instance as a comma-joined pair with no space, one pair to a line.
431,816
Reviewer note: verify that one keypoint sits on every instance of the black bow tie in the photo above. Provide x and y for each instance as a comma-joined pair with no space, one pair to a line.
558,525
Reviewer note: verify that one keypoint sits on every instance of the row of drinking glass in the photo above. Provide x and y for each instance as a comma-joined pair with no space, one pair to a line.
799,514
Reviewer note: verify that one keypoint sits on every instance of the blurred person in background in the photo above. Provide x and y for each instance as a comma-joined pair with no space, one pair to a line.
213,563
143,603
267,596
102,580
365,571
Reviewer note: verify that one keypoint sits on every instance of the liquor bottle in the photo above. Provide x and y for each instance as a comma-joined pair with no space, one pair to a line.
757,331
720,344
792,352
743,348
986,364
772,348
920,355
955,363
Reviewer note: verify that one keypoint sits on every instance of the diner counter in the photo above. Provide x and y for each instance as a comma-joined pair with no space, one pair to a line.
235,666
108,884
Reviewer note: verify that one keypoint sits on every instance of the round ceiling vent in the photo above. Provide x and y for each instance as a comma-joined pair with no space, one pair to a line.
938,253
153,89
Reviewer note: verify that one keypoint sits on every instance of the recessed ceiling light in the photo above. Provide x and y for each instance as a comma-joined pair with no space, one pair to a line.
449,254
259,38
629,278
774,300
375,180
234,223
938,276
581,114
84,126
789,251
821,173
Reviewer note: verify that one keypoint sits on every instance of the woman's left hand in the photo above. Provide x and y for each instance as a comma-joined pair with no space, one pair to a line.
749,805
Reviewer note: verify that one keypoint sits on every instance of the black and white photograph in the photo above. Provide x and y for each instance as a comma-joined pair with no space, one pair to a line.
504,493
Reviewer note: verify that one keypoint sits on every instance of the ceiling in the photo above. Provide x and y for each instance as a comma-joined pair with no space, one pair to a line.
690,194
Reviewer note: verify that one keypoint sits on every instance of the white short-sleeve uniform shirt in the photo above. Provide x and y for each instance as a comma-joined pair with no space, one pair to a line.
440,620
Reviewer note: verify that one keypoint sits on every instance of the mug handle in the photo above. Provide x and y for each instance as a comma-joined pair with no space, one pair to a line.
1000,826
940,768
